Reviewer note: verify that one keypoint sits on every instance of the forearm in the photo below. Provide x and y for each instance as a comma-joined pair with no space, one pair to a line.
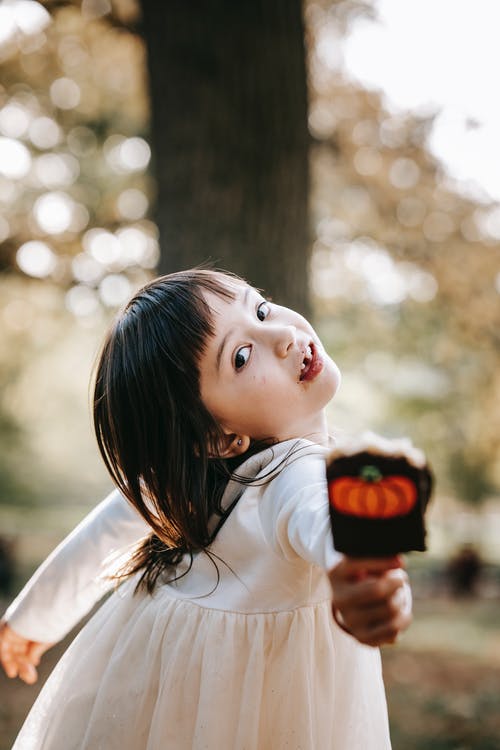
76,575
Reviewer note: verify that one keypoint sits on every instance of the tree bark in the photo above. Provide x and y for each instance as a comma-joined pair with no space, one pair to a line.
230,140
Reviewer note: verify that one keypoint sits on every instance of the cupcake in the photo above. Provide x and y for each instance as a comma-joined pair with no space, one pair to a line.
378,491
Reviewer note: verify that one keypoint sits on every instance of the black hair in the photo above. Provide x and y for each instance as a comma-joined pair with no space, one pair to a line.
152,427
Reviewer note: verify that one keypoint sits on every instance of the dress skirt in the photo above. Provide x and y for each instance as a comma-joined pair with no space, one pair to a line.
163,673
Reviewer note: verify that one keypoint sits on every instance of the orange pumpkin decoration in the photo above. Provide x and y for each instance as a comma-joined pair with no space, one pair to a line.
371,495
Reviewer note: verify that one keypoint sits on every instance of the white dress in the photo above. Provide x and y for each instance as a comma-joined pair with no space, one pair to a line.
246,658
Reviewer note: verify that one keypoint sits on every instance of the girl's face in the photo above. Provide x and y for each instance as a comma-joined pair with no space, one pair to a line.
264,374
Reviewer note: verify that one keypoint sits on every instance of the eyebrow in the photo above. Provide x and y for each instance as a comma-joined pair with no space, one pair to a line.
228,335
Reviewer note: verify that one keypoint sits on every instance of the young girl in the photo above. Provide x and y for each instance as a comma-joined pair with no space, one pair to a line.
209,413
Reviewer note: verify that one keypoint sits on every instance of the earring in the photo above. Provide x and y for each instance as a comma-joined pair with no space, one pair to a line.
239,441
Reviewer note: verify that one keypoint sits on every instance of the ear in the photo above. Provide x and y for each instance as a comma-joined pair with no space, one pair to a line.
231,445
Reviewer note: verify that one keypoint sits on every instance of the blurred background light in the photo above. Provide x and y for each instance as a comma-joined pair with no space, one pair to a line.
132,204
15,159
14,120
127,154
102,245
114,290
57,170
53,212
44,132
36,259
31,17
367,161
65,93
86,269
25,16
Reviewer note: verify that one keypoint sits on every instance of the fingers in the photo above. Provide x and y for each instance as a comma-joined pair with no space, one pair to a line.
18,655
27,673
367,591
371,599
386,632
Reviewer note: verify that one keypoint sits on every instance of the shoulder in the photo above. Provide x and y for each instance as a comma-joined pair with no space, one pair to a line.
297,464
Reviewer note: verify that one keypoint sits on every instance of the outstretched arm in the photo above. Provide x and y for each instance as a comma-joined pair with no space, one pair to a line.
371,598
68,584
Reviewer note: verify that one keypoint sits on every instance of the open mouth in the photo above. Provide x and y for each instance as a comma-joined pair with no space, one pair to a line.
312,364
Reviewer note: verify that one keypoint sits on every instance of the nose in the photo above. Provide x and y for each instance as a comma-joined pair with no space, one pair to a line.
285,338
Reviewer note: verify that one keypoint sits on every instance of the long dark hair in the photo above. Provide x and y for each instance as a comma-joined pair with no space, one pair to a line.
152,427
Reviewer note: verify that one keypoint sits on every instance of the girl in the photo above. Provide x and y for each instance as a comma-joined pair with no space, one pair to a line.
209,413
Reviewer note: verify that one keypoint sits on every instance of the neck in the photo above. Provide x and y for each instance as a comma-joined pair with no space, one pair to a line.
317,432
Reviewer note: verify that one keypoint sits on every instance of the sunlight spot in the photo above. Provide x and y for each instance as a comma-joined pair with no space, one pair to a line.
114,290
132,204
127,154
15,159
36,259
8,26
86,269
14,120
54,212
55,170
31,17
44,132
102,245
65,93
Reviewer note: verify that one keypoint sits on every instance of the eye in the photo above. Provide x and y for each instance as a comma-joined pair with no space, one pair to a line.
263,310
241,357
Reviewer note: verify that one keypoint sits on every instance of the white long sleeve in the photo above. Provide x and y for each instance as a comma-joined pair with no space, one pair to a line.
72,579
297,509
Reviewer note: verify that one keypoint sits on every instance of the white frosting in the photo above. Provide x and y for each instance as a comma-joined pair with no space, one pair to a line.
381,446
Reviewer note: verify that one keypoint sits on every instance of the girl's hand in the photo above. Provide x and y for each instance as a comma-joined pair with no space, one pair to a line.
371,599
19,656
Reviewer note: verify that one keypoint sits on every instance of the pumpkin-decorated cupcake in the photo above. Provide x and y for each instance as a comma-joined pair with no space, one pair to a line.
378,491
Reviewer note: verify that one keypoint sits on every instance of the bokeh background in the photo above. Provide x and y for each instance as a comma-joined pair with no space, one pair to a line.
404,276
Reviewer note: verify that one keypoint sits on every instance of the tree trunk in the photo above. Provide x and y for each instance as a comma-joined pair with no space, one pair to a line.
230,139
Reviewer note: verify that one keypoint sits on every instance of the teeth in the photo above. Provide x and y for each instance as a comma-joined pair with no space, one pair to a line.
307,358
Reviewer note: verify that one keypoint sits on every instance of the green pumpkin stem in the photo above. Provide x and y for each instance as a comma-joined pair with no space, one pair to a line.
370,474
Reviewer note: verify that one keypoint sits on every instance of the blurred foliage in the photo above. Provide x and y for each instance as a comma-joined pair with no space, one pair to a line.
405,269
403,262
